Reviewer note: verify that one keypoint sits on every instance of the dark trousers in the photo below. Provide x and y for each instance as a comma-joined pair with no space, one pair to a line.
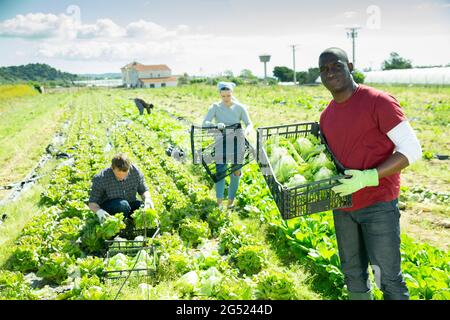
140,106
371,235
120,205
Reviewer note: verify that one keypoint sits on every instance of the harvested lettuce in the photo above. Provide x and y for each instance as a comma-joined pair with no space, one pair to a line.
118,262
299,161
323,173
322,161
285,168
296,180
304,146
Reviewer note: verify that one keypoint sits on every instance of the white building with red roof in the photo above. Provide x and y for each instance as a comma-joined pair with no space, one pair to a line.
137,75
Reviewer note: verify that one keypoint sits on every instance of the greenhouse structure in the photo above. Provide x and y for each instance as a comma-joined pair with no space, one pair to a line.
432,76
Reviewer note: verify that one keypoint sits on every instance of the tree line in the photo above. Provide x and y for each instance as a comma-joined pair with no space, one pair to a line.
36,72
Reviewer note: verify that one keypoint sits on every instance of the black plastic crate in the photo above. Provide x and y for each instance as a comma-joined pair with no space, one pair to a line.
131,248
305,199
211,146
143,232
148,271
133,232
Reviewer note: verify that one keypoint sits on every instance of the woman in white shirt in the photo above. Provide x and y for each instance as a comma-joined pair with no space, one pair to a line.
227,112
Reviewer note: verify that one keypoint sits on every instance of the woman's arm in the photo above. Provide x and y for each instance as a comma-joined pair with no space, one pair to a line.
248,129
245,117
248,123
209,116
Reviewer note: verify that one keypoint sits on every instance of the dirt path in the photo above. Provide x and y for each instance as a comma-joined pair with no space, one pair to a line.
425,226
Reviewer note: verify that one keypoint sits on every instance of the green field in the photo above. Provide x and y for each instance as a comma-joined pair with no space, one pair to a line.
250,253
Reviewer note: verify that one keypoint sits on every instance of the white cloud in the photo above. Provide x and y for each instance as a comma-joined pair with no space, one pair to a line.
65,37
83,51
103,28
151,30
107,50
147,29
38,25
182,28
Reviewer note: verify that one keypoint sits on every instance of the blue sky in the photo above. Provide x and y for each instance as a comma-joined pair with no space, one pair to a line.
210,36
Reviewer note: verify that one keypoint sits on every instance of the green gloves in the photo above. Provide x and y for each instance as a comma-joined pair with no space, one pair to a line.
360,179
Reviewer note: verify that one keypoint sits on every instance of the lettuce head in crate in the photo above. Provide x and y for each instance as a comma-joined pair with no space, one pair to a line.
299,161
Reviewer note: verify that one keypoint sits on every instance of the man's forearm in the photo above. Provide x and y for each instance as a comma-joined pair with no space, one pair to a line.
94,206
395,163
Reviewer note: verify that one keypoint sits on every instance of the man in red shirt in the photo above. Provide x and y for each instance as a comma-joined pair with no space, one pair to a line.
369,134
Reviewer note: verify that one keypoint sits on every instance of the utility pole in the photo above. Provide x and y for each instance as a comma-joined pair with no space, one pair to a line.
352,33
293,60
